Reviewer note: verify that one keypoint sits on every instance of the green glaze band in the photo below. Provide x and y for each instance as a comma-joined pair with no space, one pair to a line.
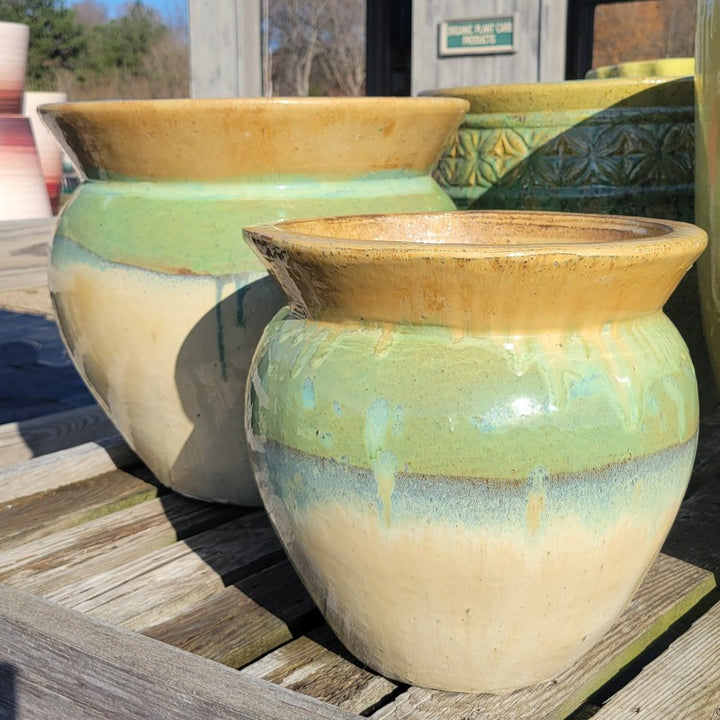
201,223
431,403
597,498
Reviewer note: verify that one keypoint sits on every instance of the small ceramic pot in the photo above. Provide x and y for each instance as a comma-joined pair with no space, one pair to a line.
48,147
14,39
159,300
470,465
660,67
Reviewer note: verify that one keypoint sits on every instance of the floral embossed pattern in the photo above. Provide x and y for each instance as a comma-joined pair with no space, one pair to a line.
632,161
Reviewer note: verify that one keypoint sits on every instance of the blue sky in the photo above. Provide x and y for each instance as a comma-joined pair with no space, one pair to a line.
168,9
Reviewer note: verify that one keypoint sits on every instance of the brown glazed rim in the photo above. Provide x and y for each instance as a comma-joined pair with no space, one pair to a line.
484,233
485,271
223,139
575,95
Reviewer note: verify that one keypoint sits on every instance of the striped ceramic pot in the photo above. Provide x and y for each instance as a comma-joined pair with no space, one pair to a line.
472,431
14,41
159,300
22,189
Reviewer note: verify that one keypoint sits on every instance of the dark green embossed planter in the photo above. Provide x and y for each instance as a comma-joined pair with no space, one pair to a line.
617,146
159,300
470,465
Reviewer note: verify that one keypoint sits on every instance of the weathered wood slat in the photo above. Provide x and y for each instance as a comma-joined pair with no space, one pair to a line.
64,467
165,583
319,666
97,546
59,664
671,588
684,682
245,620
35,516
25,243
16,278
20,441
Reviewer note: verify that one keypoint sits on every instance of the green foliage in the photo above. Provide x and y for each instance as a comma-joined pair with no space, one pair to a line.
116,58
125,42
57,40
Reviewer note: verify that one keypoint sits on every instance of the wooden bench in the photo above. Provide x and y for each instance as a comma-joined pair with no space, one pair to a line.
121,599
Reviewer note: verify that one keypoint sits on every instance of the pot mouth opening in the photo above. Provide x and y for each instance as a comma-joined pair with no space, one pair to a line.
480,233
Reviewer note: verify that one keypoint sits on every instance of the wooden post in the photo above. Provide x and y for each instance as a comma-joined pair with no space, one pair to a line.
538,53
225,55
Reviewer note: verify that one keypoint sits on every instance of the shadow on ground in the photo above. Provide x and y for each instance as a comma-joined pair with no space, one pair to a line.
37,376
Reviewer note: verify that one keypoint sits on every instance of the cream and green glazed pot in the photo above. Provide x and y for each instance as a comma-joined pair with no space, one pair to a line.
470,465
159,300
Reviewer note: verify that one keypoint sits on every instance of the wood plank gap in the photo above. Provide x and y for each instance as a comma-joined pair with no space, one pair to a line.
23,440
683,682
244,621
165,583
75,553
34,516
62,664
318,665
65,467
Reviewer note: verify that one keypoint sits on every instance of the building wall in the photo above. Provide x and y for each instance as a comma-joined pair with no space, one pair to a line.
540,27
224,48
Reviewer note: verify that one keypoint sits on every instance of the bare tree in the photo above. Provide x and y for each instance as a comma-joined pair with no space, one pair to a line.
342,57
295,27
317,45
90,12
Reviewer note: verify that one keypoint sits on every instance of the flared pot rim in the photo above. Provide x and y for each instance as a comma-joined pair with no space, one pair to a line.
521,233
478,270
216,139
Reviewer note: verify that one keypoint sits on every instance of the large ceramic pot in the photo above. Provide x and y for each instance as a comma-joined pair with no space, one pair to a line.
470,465
159,300
707,196
623,146
660,67
618,146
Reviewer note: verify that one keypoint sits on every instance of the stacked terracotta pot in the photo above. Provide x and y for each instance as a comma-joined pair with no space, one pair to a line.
23,193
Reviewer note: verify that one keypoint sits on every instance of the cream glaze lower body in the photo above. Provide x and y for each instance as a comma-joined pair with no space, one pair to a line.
167,357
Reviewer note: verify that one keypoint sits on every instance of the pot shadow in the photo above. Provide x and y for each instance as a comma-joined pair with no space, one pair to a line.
37,376
210,374
695,532
8,702
635,157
